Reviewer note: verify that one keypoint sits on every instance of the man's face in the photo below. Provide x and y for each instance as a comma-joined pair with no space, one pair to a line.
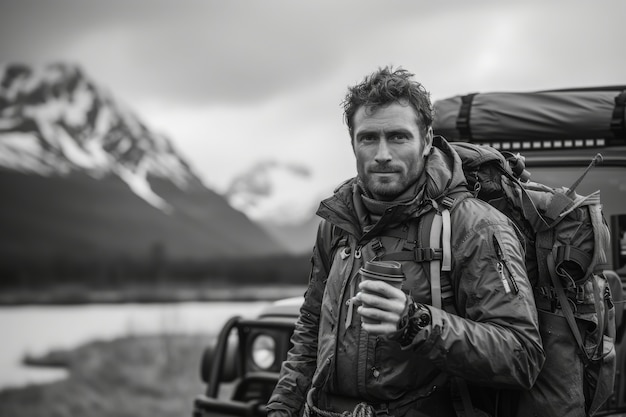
389,149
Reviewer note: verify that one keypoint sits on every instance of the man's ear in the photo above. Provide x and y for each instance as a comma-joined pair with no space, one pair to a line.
428,142
352,144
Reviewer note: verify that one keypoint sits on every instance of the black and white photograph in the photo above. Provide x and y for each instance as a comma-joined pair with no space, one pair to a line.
281,208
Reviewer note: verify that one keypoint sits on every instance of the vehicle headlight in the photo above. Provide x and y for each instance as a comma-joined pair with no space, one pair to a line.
264,351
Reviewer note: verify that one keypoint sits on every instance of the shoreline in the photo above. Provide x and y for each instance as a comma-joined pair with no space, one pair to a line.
158,293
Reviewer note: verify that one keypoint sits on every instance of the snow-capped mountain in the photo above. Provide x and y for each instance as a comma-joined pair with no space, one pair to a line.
274,192
80,172
282,198
55,120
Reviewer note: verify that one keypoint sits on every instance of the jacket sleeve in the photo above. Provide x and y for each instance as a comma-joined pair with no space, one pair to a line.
494,340
297,370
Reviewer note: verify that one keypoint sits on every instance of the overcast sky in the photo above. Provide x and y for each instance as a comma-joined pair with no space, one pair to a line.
236,82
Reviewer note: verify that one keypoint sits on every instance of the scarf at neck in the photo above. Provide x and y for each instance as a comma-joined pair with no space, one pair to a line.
369,210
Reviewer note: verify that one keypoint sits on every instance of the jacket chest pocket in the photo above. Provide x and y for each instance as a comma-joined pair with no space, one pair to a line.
344,266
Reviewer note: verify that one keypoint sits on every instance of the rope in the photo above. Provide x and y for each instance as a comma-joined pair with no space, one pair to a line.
363,410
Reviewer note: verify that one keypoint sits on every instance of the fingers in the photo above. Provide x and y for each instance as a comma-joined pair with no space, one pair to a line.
377,321
383,288
382,304
378,315
376,292
379,329
374,300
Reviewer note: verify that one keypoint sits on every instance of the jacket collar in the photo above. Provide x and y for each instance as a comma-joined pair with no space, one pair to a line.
443,172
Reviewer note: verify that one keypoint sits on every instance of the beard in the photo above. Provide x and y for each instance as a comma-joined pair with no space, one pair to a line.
387,188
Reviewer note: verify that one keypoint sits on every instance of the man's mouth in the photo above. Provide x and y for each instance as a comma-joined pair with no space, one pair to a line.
384,171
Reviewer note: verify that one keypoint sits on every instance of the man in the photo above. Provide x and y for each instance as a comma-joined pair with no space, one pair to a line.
407,357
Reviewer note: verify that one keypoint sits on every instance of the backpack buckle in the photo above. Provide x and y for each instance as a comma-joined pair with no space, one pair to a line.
427,254
377,247
448,201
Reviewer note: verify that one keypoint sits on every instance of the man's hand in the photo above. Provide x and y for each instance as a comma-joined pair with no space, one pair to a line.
380,302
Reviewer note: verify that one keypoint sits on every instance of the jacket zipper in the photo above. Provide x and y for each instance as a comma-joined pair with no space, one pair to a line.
505,282
503,264
352,286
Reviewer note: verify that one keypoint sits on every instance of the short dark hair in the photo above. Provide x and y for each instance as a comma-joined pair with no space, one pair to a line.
386,86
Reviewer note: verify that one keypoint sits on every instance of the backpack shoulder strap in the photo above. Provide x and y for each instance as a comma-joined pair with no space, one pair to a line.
440,234
442,293
434,240
428,240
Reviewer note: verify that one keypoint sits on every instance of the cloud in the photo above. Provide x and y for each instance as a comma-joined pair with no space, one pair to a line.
240,52
234,82
303,127
210,51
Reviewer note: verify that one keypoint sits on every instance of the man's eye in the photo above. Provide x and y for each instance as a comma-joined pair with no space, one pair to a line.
368,138
398,137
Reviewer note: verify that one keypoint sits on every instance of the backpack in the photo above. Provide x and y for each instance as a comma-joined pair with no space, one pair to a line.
566,241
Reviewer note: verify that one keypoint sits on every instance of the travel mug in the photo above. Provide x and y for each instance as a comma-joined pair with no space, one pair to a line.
388,271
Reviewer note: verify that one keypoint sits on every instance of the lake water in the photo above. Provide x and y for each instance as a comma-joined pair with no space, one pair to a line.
34,330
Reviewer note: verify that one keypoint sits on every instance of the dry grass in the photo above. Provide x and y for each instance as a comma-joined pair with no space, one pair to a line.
134,376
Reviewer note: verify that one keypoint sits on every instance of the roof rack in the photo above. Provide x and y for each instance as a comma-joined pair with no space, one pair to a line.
551,144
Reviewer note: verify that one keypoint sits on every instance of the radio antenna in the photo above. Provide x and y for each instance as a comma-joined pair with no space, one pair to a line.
597,160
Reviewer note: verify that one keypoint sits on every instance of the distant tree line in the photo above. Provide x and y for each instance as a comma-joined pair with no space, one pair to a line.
108,272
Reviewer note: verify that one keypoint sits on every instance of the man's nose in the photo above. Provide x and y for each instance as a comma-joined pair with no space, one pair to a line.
382,153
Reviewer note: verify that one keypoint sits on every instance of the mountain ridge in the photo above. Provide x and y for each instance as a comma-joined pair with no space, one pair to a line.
79,125
82,175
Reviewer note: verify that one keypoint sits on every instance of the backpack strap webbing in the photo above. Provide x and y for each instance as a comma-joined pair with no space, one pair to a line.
531,213
442,296
618,119
446,262
567,309
447,205
463,117
602,239
439,239
435,264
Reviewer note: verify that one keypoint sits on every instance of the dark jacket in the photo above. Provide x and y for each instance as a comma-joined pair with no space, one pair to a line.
494,341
